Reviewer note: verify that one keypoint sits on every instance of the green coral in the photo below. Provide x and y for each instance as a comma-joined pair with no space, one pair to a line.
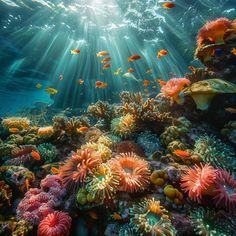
47,151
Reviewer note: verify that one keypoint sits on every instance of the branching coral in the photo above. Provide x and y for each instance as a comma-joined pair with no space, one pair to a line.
103,183
225,191
16,122
47,152
149,217
134,172
210,222
124,126
198,181
76,168
55,224
214,151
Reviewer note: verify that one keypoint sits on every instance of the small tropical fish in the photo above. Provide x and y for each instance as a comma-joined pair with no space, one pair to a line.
105,60
118,71
14,130
82,129
27,184
162,53
61,77
230,110
129,76
168,5
36,155
51,90
102,54
100,84
75,51
154,87
55,170
81,81
134,57
149,71
181,153
131,70
106,66
38,86
146,83
161,82
93,215
233,51
116,216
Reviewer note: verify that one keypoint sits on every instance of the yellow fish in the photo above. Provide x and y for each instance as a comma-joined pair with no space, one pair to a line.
118,71
38,86
51,90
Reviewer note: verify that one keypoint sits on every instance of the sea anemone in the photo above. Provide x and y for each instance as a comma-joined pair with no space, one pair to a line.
103,183
225,191
105,140
123,126
198,181
149,217
16,122
134,172
173,88
213,31
55,224
75,170
211,222
45,131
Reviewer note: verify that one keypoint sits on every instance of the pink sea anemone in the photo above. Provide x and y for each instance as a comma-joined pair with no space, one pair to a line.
213,31
78,166
55,224
174,86
198,181
225,191
134,172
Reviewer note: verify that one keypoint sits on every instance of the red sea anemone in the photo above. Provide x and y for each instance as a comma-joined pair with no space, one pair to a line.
55,224
173,87
75,170
133,171
198,181
213,31
225,191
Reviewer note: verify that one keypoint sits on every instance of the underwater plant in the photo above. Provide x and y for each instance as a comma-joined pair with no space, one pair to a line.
198,181
47,152
76,168
149,217
56,223
133,171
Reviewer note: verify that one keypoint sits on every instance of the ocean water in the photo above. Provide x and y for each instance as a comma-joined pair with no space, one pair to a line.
117,115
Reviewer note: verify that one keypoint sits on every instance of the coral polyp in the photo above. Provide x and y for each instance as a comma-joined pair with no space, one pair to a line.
104,182
76,168
198,181
150,218
133,171
225,191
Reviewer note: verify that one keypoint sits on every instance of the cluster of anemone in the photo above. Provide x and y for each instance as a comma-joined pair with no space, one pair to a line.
149,217
47,152
133,171
76,168
214,151
46,131
16,122
124,126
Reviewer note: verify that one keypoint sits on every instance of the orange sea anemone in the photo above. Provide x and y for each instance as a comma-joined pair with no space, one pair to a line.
133,171
199,181
45,131
213,31
75,170
173,88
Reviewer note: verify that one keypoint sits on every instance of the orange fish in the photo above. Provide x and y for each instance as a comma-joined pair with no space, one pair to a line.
55,170
100,84
14,130
82,129
102,54
75,51
81,81
168,5
35,155
105,60
106,66
181,153
131,70
134,57
161,82
233,51
162,53
149,71
116,216
27,184
146,83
